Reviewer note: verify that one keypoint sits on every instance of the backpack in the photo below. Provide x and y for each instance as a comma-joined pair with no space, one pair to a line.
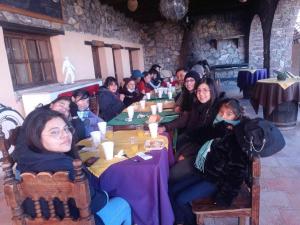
259,137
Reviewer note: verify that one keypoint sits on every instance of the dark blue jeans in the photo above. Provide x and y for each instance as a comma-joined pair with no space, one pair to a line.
183,192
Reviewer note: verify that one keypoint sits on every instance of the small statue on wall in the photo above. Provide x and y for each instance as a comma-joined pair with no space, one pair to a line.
69,71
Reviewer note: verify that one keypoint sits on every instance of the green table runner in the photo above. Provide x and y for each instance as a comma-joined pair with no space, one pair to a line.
140,118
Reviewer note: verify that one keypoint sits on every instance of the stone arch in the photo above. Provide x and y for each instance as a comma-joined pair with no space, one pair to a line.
256,44
282,34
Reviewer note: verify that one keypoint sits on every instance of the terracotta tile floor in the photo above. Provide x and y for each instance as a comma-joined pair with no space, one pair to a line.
280,183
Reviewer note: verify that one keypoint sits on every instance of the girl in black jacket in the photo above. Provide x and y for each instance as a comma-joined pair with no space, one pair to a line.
220,166
45,144
130,92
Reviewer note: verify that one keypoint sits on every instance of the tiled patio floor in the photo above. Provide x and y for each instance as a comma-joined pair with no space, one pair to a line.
280,183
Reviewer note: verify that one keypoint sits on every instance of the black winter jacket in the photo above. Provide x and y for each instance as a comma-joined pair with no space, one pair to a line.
110,105
226,165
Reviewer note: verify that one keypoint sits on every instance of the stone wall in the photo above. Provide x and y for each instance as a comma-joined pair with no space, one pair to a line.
91,17
162,44
221,39
282,34
256,44
87,16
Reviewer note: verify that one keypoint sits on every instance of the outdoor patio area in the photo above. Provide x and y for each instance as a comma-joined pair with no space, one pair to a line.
279,201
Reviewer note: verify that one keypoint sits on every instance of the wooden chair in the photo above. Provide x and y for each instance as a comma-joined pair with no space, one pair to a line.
94,104
246,204
5,144
48,186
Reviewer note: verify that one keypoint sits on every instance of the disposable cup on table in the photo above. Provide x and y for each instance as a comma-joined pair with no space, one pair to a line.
130,111
159,107
170,95
160,92
148,95
153,109
153,127
143,104
96,137
108,149
102,127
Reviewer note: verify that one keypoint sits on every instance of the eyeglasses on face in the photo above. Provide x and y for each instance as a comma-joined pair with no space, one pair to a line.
57,133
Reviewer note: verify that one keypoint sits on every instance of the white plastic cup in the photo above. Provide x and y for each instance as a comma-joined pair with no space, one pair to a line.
159,107
130,111
102,127
170,95
153,109
166,90
148,95
108,149
143,104
160,93
153,127
96,137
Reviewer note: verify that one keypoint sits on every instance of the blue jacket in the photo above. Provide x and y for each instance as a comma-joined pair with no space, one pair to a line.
110,105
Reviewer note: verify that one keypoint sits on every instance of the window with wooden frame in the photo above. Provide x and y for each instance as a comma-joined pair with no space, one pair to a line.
30,59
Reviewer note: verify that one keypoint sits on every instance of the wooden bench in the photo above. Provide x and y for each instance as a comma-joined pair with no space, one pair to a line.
246,204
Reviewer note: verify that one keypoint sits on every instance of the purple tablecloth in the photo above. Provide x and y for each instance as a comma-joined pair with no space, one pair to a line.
246,78
144,185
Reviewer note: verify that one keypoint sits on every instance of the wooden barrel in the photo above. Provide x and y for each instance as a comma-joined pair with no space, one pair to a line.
284,116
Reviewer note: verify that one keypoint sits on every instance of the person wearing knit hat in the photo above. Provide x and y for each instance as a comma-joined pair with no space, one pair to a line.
185,99
136,76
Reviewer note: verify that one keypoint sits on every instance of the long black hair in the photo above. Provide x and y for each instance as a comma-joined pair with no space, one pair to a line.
214,93
33,126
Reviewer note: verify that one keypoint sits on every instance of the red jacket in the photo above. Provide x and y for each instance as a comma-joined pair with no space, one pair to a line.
142,86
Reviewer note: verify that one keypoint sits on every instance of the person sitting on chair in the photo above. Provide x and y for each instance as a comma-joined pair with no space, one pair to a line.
47,146
80,108
110,101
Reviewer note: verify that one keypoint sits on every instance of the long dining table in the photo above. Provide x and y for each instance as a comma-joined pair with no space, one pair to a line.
143,183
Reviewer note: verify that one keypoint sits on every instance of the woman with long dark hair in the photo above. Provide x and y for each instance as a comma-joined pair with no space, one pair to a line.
186,98
202,114
45,144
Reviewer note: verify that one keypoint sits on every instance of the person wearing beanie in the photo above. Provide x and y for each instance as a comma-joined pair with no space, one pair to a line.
136,76
185,100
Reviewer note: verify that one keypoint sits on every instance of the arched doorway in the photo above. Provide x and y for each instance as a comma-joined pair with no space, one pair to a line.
256,44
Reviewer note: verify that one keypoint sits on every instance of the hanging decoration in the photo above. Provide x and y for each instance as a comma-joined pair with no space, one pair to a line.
173,9
132,5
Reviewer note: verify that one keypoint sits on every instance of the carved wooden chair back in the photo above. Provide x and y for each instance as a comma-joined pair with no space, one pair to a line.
246,204
49,187
94,103
6,143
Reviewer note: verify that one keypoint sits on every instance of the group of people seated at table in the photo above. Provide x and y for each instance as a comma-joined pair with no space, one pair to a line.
209,161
